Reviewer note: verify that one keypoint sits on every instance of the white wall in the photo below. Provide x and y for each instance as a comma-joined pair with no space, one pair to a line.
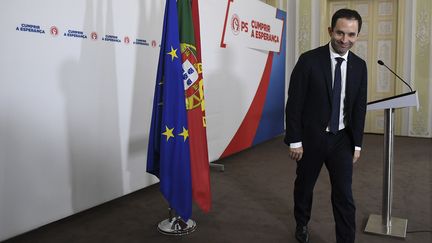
73,112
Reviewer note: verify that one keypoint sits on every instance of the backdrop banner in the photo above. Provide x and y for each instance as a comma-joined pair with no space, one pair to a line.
77,80
243,50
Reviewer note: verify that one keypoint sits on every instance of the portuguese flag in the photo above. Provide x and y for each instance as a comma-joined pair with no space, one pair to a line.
194,91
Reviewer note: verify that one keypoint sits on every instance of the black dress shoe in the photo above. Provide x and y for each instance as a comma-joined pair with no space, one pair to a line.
302,234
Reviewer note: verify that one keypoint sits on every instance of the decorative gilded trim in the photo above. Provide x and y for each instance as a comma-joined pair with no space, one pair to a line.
420,120
304,32
422,31
401,126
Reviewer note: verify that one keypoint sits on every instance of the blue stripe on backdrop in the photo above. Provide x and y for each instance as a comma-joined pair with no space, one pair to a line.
272,118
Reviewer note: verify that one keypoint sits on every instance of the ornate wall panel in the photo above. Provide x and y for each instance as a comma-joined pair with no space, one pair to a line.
420,121
304,26
395,31
377,40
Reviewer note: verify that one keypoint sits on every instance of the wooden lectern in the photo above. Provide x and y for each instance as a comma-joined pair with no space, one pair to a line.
385,224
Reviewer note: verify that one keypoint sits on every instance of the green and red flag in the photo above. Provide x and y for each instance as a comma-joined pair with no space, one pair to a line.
195,105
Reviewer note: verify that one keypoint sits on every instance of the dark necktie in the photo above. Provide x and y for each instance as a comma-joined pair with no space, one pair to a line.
336,98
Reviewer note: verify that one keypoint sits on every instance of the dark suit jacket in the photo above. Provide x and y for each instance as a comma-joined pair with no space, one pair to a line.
308,107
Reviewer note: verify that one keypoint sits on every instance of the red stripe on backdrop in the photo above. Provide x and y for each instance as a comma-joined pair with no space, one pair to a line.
223,44
246,133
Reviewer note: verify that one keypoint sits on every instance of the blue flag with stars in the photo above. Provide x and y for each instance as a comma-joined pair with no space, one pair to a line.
168,155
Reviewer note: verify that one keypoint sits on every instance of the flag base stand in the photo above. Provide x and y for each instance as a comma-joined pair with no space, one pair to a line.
175,225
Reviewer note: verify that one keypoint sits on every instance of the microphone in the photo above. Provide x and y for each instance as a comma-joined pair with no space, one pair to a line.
383,64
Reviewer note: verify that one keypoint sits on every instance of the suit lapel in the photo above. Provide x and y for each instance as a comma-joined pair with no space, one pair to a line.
349,79
326,65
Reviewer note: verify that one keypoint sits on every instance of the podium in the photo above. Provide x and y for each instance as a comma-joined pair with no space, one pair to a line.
385,224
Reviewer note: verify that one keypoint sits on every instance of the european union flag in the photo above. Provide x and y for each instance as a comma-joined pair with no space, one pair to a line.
168,155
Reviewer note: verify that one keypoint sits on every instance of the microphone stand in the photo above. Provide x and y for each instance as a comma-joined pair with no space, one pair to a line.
383,64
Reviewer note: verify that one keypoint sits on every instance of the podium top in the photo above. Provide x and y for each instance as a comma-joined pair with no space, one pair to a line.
409,99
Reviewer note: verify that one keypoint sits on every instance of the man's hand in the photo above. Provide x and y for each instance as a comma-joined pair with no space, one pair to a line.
356,155
296,153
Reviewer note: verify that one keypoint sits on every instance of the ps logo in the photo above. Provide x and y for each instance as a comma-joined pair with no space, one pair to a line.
94,36
238,26
54,31
126,40
235,24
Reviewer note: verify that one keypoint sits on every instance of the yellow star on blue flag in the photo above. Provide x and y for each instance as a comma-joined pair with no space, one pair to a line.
184,134
168,133
168,155
173,53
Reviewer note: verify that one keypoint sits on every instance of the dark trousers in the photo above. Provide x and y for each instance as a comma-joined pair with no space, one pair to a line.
336,152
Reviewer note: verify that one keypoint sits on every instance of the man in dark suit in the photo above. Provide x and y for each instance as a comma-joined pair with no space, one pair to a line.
325,115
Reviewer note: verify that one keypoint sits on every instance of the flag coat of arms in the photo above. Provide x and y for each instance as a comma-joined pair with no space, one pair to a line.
171,155
194,88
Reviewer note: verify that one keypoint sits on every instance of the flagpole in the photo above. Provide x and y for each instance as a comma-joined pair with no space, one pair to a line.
177,150
175,225
168,155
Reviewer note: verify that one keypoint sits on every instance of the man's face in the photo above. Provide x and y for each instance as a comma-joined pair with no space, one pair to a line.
343,35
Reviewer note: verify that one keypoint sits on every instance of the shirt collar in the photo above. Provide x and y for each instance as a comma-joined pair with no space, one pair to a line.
333,54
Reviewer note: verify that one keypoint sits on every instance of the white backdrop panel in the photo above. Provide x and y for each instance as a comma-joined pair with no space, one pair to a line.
73,112
231,78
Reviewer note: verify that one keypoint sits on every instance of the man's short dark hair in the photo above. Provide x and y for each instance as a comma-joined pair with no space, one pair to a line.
345,13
